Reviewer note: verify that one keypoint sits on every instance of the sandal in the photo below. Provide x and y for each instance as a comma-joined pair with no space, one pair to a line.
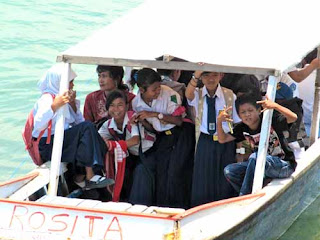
98,181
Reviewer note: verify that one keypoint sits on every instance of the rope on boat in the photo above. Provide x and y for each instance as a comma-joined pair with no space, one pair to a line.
18,168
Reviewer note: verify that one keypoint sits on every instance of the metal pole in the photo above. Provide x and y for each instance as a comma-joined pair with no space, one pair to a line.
264,138
315,115
58,135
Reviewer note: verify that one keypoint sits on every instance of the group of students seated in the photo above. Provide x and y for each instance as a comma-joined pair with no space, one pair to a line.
183,140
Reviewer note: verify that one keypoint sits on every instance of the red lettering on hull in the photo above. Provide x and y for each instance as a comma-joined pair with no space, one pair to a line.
15,216
91,223
65,225
117,229
36,221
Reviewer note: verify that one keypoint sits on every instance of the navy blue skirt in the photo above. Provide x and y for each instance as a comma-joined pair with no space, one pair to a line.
209,183
180,168
143,186
82,146
164,175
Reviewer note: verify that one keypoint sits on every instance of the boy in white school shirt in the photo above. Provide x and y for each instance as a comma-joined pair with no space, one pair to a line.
159,107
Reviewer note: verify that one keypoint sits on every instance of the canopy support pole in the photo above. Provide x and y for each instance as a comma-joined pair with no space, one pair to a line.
264,137
58,135
315,115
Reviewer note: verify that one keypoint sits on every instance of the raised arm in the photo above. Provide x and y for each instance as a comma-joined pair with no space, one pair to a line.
192,85
300,75
269,104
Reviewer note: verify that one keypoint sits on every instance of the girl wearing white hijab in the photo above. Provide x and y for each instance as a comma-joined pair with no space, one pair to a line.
82,145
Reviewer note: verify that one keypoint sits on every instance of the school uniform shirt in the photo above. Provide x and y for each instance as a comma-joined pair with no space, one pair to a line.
176,86
220,103
166,103
43,113
285,78
278,145
306,89
95,105
147,142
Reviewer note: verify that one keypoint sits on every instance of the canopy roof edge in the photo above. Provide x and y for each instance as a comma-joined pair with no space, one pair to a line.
166,65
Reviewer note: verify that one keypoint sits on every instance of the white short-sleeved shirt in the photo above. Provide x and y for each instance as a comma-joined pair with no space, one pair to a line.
290,82
146,142
104,130
306,90
220,103
167,102
43,114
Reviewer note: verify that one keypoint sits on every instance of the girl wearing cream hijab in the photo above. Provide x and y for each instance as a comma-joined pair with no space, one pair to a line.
82,145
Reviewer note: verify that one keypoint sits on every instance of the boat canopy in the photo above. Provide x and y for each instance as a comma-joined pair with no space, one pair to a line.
247,36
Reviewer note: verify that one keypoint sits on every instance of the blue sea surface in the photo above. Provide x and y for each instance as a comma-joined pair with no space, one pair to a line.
32,34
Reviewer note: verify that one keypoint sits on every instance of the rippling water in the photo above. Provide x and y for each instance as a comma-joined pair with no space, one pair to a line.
307,226
32,34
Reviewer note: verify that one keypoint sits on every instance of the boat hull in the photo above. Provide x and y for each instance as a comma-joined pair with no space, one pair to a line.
276,216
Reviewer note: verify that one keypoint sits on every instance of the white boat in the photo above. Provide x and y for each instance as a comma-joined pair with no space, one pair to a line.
181,29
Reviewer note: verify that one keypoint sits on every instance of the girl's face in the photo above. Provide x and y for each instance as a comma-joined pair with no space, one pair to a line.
249,115
211,79
152,92
106,82
118,109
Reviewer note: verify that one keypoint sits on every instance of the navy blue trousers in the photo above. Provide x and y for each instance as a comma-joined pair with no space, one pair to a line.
209,183
82,146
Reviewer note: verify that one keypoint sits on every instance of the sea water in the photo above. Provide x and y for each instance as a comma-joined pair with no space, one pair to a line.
32,33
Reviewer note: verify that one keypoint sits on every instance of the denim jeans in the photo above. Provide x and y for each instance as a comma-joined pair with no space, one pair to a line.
241,175
308,129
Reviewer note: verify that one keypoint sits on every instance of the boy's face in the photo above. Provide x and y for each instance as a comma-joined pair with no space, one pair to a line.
249,115
152,92
106,82
211,79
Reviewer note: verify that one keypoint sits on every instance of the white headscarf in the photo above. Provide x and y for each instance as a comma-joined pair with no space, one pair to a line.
50,81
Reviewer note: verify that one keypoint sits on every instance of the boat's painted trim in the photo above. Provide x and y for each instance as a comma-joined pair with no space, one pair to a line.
218,203
29,176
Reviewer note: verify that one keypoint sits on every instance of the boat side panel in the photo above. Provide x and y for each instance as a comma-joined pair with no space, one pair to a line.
34,221
275,219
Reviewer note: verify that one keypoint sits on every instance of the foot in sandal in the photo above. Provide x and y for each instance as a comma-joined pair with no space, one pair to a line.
98,181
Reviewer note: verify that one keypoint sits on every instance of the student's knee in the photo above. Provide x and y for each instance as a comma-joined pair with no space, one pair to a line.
228,170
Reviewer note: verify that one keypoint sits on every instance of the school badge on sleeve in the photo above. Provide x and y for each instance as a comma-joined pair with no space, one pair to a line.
174,99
